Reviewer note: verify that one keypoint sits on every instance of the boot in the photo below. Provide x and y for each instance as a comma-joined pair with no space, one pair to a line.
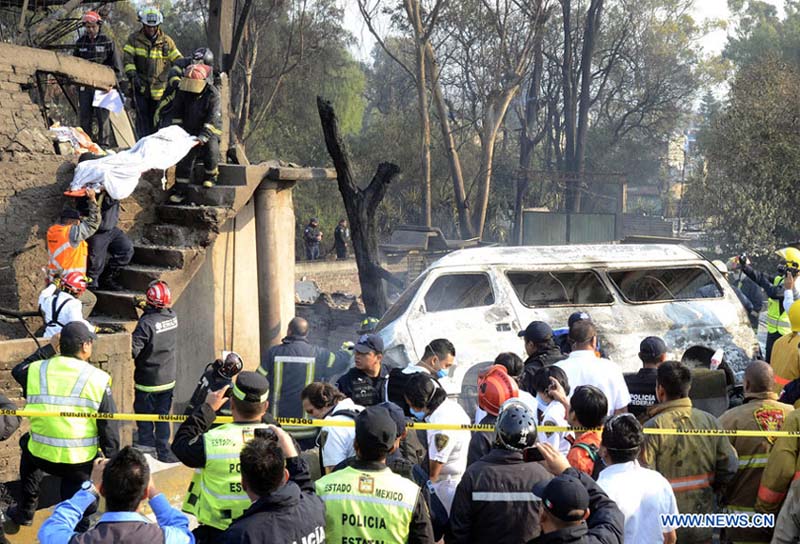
179,191
211,178
111,283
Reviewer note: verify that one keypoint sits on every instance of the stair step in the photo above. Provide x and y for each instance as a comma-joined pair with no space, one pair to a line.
117,304
193,216
169,257
170,235
232,175
220,195
115,323
138,277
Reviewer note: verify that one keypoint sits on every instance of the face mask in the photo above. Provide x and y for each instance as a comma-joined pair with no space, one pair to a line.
419,416
441,373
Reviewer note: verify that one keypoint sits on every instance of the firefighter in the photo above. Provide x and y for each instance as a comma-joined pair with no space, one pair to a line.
95,46
148,55
696,468
59,304
197,111
154,343
110,249
163,115
777,320
215,496
495,387
781,468
786,352
64,447
761,411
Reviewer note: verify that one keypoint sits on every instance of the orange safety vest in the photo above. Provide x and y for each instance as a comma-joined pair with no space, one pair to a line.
63,257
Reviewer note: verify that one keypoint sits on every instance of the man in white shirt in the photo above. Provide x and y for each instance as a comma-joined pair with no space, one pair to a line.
584,367
323,401
59,304
642,495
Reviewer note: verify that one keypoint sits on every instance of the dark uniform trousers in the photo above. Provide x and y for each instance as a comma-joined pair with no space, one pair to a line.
31,473
208,153
108,249
153,403
145,114
89,113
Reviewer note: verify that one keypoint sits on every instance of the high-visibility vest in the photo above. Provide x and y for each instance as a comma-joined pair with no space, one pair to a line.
777,318
215,496
367,506
65,384
63,257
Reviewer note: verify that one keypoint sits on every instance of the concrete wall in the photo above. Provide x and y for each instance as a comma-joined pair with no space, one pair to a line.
339,276
112,353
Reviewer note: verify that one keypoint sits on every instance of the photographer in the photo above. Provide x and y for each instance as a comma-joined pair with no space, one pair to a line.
216,376
777,320
285,507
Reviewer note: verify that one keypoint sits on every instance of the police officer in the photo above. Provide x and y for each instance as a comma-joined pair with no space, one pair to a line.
341,237
541,349
215,496
367,502
295,363
365,383
312,236
64,447
777,320
154,342
642,385
493,501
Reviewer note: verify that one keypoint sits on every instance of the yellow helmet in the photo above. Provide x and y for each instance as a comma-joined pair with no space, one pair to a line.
791,255
794,316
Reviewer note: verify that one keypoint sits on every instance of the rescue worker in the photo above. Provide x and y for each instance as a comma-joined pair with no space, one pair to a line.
437,358
786,352
95,46
761,411
368,325
124,481
514,368
447,450
541,350
284,506
197,111
495,387
367,502
493,501
341,238
293,364
147,57
215,496
64,447
154,343
696,468
787,524
59,304
67,248
642,385
324,401
365,383
312,236
777,320
781,469
201,55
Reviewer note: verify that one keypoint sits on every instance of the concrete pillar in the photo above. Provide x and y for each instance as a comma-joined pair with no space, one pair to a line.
275,232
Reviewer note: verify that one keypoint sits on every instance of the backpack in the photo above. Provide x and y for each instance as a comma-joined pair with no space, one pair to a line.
594,454
351,414
55,311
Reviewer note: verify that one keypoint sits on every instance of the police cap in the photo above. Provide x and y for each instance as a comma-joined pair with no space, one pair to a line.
251,387
564,496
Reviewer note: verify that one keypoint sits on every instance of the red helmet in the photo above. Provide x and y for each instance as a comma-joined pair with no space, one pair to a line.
158,294
495,387
197,71
91,17
74,283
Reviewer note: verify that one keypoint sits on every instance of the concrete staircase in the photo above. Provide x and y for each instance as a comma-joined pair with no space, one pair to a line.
173,248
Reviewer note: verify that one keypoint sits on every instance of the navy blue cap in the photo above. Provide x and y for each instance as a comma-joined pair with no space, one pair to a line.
578,316
397,415
369,342
77,331
536,332
652,347
564,496
70,213
375,429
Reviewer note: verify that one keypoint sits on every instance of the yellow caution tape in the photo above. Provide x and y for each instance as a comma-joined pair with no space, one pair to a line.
307,422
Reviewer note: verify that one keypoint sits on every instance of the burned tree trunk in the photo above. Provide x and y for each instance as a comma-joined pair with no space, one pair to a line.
361,206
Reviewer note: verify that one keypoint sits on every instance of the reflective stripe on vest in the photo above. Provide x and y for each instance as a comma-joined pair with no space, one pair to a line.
504,496
758,460
64,384
154,388
690,483
281,360
215,496
777,319
63,257
780,380
367,506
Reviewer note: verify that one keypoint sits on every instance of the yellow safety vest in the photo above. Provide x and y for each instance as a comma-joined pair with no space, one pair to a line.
215,496
777,318
63,257
65,384
367,506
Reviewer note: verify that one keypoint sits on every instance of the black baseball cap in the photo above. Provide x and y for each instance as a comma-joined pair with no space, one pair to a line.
70,213
77,332
369,342
536,332
577,316
562,496
376,430
397,415
652,347
251,387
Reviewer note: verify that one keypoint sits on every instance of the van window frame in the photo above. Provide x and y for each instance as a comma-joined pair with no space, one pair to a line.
434,279
598,274
610,271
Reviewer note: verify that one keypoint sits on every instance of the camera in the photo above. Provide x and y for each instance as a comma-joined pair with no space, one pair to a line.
793,270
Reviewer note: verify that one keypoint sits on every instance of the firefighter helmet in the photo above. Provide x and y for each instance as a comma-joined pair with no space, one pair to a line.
368,325
91,17
151,16
495,387
158,294
74,283
794,316
203,55
516,426
791,255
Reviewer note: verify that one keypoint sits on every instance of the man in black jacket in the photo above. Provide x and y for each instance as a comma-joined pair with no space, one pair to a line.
197,110
154,342
295,363
541,350
573,508
493,501
277,480
642,385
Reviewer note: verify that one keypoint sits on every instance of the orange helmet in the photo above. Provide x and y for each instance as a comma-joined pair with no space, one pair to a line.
91,17
495,387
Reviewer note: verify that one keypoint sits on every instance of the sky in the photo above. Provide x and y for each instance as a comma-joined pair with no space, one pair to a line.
704,10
